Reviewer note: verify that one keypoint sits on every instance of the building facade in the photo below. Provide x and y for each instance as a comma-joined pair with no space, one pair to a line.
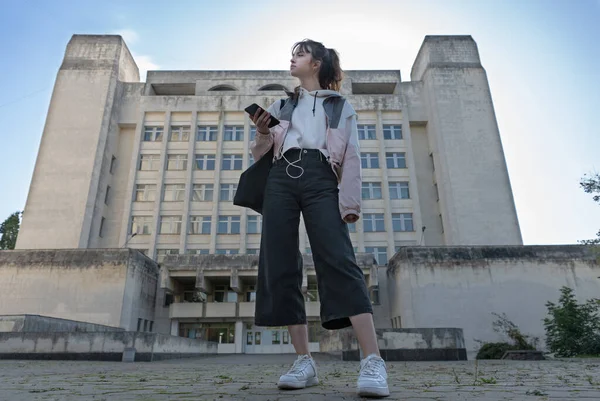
154,165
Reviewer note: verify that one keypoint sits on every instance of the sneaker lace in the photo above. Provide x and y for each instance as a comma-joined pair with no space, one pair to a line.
299,366
372,367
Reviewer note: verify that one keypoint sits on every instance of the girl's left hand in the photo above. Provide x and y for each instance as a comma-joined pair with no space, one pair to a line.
351,218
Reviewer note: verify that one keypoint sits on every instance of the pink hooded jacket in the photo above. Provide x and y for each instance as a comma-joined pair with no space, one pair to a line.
341,142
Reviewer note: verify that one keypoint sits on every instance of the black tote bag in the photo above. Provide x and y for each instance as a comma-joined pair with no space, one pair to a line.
253,182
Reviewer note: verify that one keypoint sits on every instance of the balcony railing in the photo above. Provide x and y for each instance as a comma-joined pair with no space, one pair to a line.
186,310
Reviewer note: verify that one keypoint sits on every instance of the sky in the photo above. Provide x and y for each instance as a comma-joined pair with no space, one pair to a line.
542,59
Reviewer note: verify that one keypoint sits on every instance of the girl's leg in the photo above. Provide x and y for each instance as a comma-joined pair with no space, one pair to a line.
365,333
299,334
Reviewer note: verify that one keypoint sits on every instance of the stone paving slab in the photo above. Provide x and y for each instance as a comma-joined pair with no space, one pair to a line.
254,377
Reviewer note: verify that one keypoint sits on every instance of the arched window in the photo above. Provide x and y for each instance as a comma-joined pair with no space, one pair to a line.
273,87
223,88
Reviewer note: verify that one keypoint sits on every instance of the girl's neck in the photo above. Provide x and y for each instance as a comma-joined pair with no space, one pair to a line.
310,84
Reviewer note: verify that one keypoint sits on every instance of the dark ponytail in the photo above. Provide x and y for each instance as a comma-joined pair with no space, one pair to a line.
330,74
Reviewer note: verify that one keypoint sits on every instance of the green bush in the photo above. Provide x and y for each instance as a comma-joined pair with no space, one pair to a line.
494,350
573,329
518,340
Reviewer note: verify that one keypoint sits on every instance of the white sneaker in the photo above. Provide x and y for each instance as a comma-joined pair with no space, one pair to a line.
372,380
302,374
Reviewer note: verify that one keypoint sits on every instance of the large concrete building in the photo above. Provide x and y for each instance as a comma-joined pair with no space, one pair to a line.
154,166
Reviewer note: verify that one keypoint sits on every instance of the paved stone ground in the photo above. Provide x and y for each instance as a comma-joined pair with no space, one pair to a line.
253,377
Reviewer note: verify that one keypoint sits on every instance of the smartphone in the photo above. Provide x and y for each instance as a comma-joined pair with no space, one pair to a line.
252,110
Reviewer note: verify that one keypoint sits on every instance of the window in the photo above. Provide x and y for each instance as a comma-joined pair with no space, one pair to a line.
197,252
251,293
373,222
207,133
101,233
437,191
174,192
223,293
205,162
392,131
366,131
252,251
399,190
229,225
379,252
374,295
250,338
161,253
141,225
180,133
232,162
170,225
150,326
202,193
252,133
369,160
227,251
442,222
351,227
200,224
312,292
139,325
153,134
254,224
275,337
371,190
395,160
106,196
227,192
113,161
145,325
145,192
234,133
286,337
402,222
176,162
149,162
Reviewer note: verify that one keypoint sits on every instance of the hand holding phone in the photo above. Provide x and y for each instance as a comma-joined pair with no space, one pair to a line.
261,118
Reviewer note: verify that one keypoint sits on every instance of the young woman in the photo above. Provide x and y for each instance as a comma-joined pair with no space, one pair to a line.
316,172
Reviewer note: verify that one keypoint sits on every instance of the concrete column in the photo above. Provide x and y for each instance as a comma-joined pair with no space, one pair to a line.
159,185
413,187
217,183
238,337
133,171
188,183
175,327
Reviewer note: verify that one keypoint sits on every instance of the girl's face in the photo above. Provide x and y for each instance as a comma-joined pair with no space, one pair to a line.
302,64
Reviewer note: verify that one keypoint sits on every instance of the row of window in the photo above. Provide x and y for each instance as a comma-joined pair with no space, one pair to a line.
205,192
197,225
151,162
208,133
379,252
372,222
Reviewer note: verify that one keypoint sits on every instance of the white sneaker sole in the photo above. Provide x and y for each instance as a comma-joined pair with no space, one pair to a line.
373,391
313,381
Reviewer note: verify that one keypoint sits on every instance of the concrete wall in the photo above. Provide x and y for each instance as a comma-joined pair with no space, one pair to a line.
462,286
66,198
36,323
100,346
108,287
476,201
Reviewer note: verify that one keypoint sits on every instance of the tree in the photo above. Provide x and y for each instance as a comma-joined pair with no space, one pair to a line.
10,230
572,328
591,185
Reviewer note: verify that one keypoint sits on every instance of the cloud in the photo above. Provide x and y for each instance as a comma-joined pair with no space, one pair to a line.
129,35
144,64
